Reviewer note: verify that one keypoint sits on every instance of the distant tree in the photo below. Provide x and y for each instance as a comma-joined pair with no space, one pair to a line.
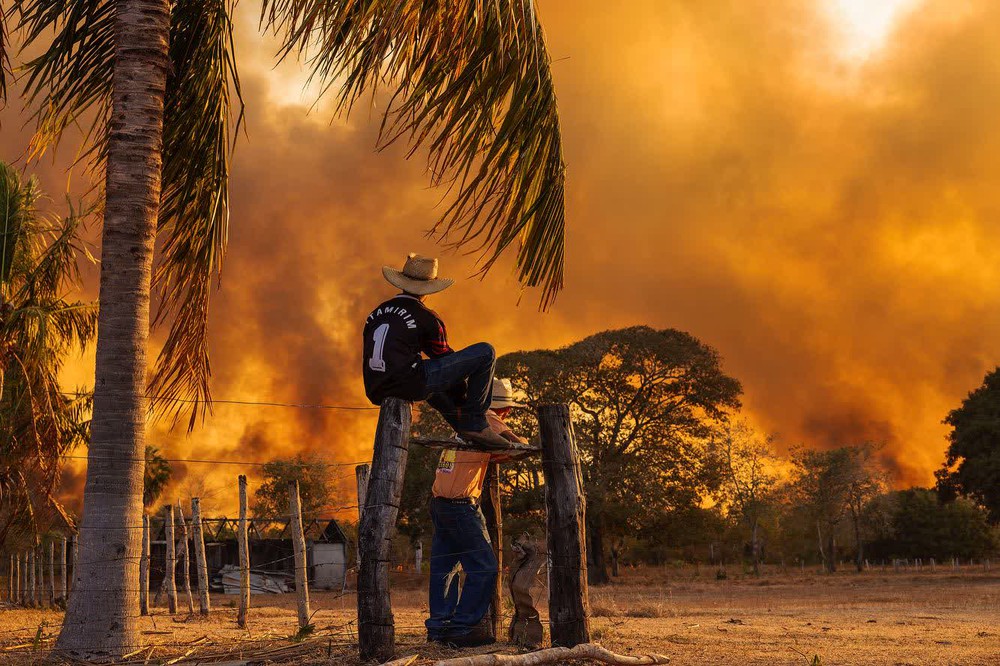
644,403
749,479
315,487
421,463
920,525
972,463
866,481
156,477
821,484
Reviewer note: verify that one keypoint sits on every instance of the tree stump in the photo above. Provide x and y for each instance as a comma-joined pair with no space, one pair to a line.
376,630
566,509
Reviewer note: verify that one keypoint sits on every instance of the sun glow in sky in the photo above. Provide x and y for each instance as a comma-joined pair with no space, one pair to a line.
865,24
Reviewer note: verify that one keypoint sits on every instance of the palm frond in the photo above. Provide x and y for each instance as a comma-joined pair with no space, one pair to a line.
470,80
194,207
4,56
70,81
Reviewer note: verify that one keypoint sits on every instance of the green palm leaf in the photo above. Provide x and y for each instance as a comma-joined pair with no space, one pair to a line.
194,207
71,79
4,56
471,81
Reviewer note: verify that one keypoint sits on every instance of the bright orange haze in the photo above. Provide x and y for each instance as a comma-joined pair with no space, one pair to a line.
825,216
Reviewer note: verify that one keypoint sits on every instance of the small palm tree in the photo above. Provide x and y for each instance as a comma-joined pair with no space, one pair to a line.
38,327
468,79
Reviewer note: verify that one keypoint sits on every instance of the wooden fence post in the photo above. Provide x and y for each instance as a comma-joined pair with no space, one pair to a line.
76,560
299,546
376,630
33,573
204,601
185,556
64,568
244,554
418,557
494,527
52,573
566,509
144,568
10,579
361,473
22,559
170,574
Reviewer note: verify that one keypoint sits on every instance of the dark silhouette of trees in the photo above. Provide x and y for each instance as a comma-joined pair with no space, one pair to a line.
972,463
645,403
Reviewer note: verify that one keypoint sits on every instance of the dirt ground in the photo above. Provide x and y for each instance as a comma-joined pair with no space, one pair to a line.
904,618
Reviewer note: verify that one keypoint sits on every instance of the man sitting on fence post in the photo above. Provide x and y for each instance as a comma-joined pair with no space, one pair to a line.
456,383
461,538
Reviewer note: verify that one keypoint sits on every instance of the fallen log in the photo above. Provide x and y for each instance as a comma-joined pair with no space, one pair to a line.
557,655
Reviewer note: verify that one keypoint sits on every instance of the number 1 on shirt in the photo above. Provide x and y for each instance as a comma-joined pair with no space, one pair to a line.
376,362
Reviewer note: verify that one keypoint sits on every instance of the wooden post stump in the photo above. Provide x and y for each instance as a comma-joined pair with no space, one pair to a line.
244,554
361,472
299,546
494,527
144,568
33,578
64,568
566,509
185,556
52,574
376,630
170,573
204,601
76,560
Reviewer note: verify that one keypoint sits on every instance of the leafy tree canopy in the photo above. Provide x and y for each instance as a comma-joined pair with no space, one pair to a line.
972,463
315,487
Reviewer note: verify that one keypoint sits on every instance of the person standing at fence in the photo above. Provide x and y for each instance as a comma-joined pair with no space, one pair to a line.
460,536
456,383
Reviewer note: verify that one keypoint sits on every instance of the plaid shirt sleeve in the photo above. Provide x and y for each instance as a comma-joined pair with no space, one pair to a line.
436,345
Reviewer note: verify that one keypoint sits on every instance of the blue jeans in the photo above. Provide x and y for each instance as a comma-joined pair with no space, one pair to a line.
460,538
464,410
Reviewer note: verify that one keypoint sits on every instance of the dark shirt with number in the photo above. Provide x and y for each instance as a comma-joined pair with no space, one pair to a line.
396,332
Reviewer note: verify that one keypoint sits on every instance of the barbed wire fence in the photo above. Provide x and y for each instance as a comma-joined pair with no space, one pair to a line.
34,582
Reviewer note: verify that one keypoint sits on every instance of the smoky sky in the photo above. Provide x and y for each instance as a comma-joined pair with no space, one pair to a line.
829,224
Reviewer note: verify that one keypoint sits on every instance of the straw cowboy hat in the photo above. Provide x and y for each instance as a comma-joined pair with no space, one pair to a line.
419,276
503,394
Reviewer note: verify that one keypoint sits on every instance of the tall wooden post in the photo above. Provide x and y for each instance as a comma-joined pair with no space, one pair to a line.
566,509
204,601
144,568
10,579
22,559
494,527
76,560
299,547
52,573
33,578
376,630
185,556
170,574
361,473
244,554
418,557
64,569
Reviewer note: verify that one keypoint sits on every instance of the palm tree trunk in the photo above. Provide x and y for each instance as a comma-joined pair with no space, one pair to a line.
101,621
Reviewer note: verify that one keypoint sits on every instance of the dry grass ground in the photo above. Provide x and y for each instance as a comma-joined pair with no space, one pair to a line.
883,618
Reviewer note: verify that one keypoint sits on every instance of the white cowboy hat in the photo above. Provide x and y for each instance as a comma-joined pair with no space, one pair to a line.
419,276
503,394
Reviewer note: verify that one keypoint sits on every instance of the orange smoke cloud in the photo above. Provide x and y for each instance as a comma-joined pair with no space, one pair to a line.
826,223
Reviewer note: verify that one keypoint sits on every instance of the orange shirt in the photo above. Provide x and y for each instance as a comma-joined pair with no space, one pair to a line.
461,473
